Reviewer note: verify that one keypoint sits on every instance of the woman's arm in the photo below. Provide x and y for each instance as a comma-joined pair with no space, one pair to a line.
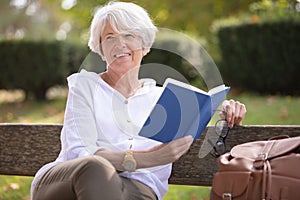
170,152
159,155
79,133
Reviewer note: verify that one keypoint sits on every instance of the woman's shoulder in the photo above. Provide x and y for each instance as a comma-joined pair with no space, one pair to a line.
83,77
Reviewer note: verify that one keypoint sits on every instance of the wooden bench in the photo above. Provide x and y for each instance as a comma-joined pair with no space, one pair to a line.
24,148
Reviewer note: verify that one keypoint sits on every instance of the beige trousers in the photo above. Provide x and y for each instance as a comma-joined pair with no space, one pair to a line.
89,178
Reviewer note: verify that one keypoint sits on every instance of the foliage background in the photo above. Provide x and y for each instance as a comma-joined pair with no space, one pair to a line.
48,19
223,29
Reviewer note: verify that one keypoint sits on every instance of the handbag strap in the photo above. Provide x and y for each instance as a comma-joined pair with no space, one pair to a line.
261,161
269,179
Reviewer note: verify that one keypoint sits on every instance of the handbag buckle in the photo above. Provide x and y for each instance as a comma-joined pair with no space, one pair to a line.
226,196
262,156
260,159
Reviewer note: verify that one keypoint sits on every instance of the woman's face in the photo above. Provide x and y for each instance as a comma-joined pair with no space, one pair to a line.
121,51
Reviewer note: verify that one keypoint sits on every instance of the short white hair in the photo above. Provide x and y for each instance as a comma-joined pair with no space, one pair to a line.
123,17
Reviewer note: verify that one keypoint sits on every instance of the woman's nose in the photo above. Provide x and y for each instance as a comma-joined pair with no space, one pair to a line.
120,42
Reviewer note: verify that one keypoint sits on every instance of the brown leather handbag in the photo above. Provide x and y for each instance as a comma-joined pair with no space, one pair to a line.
259,170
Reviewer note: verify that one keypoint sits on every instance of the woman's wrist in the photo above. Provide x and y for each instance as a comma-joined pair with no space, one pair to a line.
144,159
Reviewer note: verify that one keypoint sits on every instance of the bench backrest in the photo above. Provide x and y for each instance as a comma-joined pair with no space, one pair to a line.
24,148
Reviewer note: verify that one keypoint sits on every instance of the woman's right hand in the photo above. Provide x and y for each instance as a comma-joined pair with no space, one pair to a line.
165,153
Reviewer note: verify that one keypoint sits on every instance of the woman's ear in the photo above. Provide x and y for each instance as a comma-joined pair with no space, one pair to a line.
145,51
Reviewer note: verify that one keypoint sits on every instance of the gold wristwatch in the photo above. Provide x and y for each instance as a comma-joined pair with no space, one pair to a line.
129,162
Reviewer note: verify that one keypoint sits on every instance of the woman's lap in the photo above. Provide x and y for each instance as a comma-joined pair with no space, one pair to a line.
88,178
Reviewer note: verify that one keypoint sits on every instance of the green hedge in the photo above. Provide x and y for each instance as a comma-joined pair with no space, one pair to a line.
263,57
35,66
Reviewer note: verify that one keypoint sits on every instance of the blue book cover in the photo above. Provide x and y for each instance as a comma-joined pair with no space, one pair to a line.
182,110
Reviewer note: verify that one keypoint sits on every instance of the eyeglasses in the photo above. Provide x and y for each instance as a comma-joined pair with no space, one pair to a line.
222,130
130,39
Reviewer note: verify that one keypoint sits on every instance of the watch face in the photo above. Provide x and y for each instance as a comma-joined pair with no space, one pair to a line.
129,165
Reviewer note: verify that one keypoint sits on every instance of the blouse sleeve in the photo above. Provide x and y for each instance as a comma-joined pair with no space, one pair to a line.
79,133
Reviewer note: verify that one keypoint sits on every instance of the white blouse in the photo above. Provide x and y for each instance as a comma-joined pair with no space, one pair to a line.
99,117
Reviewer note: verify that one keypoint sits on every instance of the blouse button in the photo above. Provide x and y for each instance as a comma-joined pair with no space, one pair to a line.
126,101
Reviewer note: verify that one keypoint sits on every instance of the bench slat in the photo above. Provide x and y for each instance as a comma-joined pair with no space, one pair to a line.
24,148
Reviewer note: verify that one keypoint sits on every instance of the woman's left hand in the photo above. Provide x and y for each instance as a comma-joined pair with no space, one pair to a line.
235,112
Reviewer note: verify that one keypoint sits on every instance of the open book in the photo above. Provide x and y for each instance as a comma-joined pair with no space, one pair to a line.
182,110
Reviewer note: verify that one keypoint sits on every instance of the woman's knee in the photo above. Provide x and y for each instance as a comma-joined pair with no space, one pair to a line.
96,176
94,166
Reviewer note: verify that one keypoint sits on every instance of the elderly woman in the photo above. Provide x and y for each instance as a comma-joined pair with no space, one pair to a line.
101,155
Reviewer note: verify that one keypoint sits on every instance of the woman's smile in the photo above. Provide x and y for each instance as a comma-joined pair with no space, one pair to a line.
122,55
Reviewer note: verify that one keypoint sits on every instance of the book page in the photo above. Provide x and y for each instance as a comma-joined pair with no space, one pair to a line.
184,85
190,87
217,89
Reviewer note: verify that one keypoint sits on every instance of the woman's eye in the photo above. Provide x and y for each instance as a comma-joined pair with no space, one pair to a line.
110,38
129,35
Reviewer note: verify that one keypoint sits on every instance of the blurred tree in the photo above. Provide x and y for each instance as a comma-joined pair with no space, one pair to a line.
192,16
35,19
42,19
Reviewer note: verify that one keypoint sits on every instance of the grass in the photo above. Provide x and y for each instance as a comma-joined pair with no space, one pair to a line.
15,110
280,110
271,110
14,187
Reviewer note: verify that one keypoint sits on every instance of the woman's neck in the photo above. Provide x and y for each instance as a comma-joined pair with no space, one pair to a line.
127,84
